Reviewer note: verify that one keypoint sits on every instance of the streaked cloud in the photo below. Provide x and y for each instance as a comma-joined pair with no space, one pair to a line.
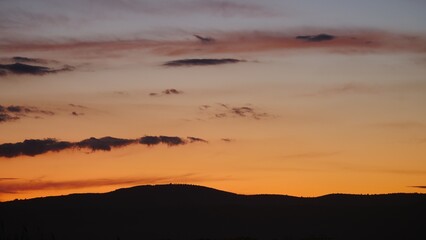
222,110
222,8
316,38
195,139
346,41
227,140
15,112
77,106
7,118
8,179
172,91
104,144
347,88
15,185
205,39
21,66
33,147
77,114
19,59
155,140
201,62
421,187
169,91
77,110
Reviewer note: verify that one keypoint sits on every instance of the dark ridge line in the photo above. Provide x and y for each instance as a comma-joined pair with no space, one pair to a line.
205,188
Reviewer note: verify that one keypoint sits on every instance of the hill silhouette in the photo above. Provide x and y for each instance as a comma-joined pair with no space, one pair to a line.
195,212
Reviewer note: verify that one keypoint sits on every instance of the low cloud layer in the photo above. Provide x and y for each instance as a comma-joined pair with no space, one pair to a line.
15,112
25,66
33,147
339,40
16,185
422,187
201,62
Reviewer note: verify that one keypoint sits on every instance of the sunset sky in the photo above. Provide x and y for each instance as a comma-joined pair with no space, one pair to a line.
302,97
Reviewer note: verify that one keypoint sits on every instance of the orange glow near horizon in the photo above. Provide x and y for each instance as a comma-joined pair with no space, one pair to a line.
280,114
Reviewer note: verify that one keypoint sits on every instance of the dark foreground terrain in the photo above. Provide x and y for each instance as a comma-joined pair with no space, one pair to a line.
194,212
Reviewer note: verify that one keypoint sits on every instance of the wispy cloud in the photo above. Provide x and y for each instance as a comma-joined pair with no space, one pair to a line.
169,91
21,66
421,187
172,91
8,179
14,186
206,40
77,106
195,139
222,8
222,110
19,59
4,117
33,147
15,112
170,141
77,114
347,88
201,62
340,41
18,19
77,110
227,140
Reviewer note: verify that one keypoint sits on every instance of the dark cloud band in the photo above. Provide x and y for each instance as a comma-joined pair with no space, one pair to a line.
201,62
31,66
19,59
316,38
33,147
20,68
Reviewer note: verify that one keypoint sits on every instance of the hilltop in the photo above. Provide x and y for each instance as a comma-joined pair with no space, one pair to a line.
196,212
